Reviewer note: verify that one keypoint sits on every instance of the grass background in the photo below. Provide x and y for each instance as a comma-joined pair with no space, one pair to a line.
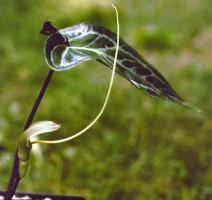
142,148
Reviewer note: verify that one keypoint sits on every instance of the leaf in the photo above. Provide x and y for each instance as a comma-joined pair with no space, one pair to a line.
25,146
68,47
41,127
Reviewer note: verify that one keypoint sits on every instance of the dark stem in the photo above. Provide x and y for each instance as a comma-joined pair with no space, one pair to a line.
14,178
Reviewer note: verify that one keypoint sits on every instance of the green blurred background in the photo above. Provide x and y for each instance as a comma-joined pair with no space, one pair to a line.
142,148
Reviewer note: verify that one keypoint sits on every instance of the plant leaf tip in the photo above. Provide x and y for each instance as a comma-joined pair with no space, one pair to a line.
188,105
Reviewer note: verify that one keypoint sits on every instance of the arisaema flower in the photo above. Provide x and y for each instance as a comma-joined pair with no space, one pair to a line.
68,47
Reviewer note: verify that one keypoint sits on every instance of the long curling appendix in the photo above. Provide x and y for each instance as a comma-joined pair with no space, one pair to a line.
28,137
104,104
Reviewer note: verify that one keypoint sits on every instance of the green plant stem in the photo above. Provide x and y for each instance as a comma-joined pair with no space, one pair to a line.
14,178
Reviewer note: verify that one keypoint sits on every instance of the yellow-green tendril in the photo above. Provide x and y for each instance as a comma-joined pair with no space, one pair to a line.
105,102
